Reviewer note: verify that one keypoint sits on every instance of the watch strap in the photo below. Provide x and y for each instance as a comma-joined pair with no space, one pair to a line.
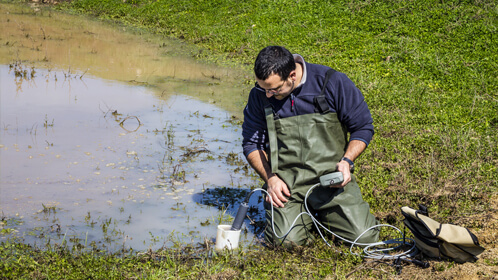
351,163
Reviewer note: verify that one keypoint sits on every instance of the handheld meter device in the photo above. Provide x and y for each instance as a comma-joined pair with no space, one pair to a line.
331,179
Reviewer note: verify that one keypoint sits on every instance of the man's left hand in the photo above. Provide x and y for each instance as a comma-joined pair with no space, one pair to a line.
343,167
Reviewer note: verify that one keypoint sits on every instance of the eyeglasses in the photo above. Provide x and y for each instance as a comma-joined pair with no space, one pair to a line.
271,90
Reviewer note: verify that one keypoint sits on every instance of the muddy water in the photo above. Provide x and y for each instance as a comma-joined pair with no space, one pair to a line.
112,140
77,45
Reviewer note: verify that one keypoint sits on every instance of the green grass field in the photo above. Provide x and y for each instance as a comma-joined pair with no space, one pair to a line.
428,70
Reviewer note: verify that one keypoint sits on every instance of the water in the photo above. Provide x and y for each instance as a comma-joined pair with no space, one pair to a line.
113,160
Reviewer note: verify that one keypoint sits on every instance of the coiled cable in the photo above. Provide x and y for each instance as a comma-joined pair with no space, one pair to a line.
371,250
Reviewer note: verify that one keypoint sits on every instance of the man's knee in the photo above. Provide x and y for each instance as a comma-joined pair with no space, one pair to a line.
358,230
298,236
365,236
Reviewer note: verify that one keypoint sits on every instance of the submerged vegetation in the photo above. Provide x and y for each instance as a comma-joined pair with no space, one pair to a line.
428,72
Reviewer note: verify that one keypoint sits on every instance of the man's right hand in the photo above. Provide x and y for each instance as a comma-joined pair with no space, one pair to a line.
277,190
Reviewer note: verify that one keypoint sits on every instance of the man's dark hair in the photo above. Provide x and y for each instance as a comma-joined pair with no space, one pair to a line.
274,60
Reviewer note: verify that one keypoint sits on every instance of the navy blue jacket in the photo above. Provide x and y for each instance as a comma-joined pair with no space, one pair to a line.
343,97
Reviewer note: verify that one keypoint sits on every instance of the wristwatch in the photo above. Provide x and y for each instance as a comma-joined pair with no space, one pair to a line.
351,163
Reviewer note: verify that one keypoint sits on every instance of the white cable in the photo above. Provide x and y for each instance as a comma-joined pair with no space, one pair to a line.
368,251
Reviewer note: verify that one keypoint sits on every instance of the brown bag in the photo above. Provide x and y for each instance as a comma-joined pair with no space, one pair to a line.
436,240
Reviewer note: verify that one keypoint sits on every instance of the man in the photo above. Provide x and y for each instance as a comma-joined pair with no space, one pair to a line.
293,134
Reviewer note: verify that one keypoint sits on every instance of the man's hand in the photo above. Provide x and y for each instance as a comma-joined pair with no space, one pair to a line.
343,167
355,148
277,190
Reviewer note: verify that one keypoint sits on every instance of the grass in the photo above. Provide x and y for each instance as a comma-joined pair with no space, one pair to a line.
21,261
428,72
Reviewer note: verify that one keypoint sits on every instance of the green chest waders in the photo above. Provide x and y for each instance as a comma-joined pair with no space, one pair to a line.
302,148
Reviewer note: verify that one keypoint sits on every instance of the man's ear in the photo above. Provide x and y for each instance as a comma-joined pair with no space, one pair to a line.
293,75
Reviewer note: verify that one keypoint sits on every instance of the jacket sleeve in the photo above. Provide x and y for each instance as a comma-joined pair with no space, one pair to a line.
351,108
254,130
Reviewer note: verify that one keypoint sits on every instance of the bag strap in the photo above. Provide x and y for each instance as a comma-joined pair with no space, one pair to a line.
423,209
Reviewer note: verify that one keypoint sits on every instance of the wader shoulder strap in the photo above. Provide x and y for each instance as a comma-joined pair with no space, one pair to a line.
272,135
321,105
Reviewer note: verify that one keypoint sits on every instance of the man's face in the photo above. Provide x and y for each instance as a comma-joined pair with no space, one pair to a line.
275,86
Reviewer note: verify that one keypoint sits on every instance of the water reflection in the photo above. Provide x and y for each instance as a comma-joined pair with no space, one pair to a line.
228,200
86,156
76,45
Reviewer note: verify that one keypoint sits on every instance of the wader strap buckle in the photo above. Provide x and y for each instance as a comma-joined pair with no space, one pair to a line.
321,105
